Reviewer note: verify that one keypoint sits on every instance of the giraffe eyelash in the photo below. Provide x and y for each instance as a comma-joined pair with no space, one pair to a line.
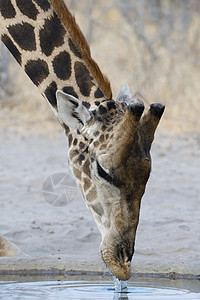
102,173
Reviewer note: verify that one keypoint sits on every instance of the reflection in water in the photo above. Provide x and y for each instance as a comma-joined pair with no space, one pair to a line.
120,286
119,296
121,289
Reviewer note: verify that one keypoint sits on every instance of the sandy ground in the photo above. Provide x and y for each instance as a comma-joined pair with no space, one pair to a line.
168,237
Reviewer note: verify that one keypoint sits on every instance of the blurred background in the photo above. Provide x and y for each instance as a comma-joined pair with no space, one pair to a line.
153,45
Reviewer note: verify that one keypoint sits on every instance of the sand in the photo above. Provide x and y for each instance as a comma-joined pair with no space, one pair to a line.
168,236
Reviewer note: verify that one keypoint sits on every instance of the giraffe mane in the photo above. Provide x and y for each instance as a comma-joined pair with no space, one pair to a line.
80,42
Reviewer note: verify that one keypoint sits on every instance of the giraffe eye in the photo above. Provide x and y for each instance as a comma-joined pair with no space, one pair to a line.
102,173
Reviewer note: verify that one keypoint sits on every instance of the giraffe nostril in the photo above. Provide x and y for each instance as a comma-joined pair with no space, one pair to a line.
123,256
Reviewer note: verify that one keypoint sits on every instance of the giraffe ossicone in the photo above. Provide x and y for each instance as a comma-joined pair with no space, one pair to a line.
124,94
109,141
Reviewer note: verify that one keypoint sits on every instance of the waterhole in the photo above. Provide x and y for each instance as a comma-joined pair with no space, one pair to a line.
93,287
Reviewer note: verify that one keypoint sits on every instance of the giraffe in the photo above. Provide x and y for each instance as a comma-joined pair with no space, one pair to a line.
109,140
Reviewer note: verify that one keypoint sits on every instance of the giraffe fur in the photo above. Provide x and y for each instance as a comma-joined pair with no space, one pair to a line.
109,141
46,41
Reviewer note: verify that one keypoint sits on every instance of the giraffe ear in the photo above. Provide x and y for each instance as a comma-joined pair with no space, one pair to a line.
124,94
71,111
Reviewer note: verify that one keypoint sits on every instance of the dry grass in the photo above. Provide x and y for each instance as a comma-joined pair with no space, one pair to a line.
132,45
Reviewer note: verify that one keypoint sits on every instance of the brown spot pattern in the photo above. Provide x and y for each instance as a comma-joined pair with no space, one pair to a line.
37,70
102,110
101,139
44,4
98,209
7,9
74,49
77,173
81,145
81,158
96,143
24,36
86,168
50,93
107,136
51,35
96,133
83,78
92,194
86,184
98,94
103,147
70,139
70,90
73,153
62,65
12,48
86,104
75,142
27,8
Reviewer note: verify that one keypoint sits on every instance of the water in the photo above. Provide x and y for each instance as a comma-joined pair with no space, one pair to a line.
120,286
84,287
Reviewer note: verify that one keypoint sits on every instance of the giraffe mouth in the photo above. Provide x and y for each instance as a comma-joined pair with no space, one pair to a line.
120,267
122,272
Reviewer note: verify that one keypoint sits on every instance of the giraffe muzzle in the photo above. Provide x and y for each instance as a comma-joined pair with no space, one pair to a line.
117,256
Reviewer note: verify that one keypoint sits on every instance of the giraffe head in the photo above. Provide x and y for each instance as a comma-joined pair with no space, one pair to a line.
109,153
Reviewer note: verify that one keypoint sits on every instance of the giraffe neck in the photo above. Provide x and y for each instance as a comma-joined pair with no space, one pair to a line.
45,40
